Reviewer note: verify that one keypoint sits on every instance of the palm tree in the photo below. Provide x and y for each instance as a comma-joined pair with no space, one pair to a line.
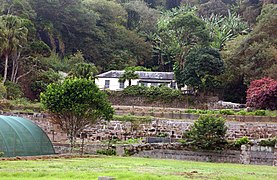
13,35
128,75
84,70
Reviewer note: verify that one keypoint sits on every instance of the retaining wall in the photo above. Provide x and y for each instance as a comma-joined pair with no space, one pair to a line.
258,155
262,127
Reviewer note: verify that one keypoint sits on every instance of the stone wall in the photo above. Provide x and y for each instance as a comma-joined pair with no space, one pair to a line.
258,155
186,101
261,155
179,152
222,157
173,128
176,128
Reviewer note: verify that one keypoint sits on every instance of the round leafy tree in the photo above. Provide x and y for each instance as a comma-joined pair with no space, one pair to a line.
200,69
74,104
208,132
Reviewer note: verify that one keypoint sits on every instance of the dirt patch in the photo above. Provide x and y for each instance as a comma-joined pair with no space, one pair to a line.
186,173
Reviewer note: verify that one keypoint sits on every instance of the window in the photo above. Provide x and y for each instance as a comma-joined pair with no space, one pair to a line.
121,85
107,84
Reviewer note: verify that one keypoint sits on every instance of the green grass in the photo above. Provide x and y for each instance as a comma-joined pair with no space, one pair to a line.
130,168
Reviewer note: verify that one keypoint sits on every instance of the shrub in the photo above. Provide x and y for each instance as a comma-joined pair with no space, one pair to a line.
13,90
108,152
1,154
241,112
190,111
242,141
262,94
208,132
153,92
226,112
260,113
202,112
135,90
168,93
268,142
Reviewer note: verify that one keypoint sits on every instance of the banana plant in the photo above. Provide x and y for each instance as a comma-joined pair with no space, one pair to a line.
224,28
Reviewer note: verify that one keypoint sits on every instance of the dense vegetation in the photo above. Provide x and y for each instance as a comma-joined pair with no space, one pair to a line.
74,104
40,40
207,132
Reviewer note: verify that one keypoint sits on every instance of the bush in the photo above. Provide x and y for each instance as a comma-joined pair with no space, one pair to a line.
242,141
1,154
260,113
153,92
191,111
135,90
13,90
226,112
262,94
208,132
268,142
242,112
108,152
202,112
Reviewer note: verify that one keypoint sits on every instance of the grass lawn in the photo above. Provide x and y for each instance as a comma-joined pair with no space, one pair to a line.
130,168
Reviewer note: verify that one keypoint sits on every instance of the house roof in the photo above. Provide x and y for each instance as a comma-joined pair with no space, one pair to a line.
142,75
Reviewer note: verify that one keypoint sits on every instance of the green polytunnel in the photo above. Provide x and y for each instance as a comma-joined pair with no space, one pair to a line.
21,137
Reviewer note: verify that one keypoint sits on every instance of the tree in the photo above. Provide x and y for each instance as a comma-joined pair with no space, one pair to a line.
200,69
262,94
140,17
179,30
84,70
224,28
137,68
213,7
208,132
254,56
128,75
42,80
74,104
13,36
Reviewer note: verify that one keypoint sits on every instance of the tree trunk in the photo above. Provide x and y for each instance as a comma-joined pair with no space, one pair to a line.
15,67
6,68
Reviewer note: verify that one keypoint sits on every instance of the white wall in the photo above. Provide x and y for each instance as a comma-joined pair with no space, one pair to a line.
114,83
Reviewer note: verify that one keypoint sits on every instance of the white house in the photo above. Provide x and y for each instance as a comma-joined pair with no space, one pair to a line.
110,80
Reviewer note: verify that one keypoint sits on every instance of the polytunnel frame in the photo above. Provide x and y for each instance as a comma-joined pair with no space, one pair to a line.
26,138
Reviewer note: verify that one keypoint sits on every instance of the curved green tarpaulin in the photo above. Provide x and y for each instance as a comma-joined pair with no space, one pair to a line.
21,137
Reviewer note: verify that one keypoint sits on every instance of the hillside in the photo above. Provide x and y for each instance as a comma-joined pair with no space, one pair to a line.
228,43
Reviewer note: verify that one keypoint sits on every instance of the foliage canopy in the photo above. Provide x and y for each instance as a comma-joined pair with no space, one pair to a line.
76,103
208,132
